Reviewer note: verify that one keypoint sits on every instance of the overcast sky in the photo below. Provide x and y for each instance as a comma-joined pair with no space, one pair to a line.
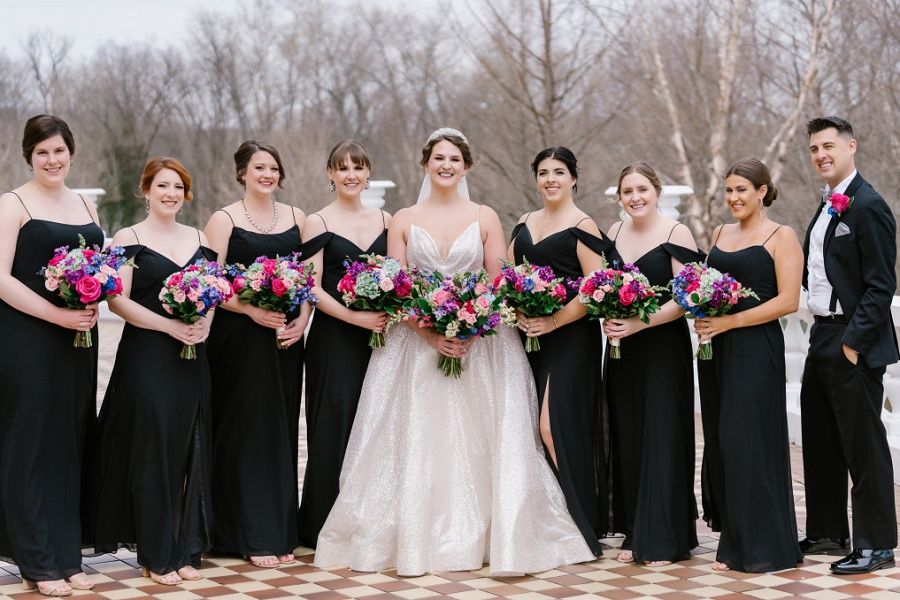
90,23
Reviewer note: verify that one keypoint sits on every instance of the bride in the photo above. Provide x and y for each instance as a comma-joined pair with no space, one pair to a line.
446,474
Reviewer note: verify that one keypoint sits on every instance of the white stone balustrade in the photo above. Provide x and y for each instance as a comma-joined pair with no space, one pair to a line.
796,344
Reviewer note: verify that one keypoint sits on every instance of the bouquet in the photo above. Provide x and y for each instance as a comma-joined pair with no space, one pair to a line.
532,290
280,284
378,283
84,276
458,306
706,292
612,293
192,292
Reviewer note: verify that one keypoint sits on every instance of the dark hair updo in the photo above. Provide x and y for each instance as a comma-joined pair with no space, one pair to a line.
757,173
246,151
43,127
563,155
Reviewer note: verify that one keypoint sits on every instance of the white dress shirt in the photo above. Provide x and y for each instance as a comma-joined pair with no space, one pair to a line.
820,288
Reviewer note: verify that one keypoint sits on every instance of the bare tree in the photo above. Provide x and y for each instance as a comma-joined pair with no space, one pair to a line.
46,53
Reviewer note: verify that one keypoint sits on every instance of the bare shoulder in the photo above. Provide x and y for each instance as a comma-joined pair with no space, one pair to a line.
487,215
786,233
124,237
524,218
588,225
683,236
614,228
402,218
387,218
204,241
315,225
220,219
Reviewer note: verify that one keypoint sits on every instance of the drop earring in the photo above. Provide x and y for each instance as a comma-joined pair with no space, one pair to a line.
331,186
146,205
367,184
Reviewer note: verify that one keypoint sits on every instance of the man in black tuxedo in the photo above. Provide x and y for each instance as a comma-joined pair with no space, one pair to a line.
850,250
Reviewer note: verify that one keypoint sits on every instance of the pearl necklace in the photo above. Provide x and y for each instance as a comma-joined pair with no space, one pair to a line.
253,222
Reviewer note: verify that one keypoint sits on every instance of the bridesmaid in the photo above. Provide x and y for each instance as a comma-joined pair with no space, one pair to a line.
563,237
652,418
256,387
746,466
150,491
48,393
337,347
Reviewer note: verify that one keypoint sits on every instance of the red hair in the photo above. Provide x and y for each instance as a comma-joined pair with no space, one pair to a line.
158,163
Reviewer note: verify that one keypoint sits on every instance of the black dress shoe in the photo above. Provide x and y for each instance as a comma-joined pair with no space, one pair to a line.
824,545
863,561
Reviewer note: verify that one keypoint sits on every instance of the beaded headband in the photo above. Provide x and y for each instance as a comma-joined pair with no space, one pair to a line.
447,131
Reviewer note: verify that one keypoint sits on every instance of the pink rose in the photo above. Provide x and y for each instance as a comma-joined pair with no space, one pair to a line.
88,254
52,284
88,288
627,295
840,203
480,289
57,258
559,291
278,287
238,283
269,266
118,287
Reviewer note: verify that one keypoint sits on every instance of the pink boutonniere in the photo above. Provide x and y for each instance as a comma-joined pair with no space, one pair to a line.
839,204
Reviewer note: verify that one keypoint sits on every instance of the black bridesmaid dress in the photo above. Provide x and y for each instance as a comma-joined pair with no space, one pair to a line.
337,355
746,477
255,419
650,392
150,485
47,399
569,361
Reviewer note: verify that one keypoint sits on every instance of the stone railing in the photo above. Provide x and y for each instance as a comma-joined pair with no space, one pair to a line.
796,343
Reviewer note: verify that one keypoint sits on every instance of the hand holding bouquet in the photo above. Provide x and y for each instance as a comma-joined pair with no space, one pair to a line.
379,283
85,276
706,292
532,290
277,284
611,293
189,294
460,306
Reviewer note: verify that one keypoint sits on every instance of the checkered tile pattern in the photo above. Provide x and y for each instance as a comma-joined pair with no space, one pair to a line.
118,576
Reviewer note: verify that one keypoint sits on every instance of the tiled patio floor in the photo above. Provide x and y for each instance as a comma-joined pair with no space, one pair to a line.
118,578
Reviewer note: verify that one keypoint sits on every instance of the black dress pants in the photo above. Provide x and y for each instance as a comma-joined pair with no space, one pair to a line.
842,431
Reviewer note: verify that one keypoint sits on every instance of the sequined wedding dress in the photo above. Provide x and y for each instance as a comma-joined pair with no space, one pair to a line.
446,474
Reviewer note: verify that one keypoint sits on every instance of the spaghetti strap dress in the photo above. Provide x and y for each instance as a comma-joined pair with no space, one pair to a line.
569,362
337,356
151,482
47,399
746,477
650,391
255,419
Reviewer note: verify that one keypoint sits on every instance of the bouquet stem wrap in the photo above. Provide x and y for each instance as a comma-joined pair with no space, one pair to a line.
83,339
188,352
450,366
704,350
615,348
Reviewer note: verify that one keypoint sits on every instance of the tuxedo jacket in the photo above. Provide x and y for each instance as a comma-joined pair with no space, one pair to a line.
860,251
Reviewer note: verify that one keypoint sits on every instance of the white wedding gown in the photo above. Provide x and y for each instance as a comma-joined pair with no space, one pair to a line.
446,474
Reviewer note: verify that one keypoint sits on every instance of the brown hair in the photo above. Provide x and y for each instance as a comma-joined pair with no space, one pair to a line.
356,151
43,127
246,151
757,173
156,164
460,142
641,168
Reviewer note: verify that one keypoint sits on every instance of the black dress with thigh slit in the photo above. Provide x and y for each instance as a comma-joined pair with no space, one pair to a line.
337,355
567,369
